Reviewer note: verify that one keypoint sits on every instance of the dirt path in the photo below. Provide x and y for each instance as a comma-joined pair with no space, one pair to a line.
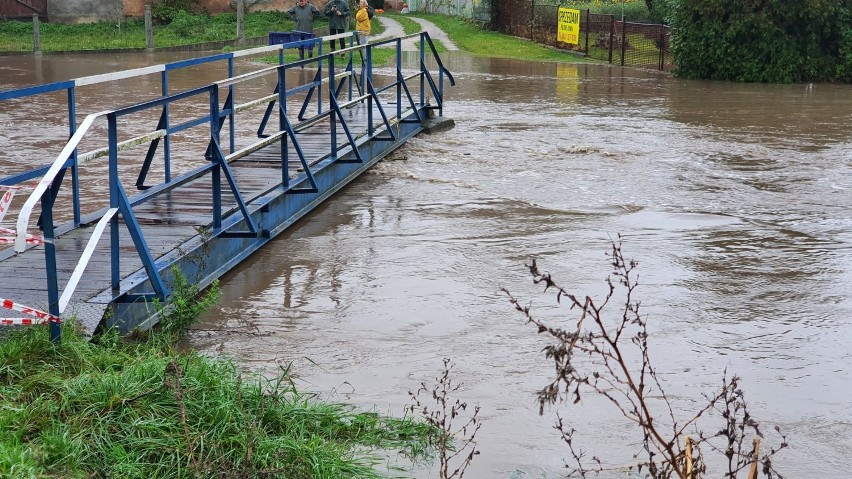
394,29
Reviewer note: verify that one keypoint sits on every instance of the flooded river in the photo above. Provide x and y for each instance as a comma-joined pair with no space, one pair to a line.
735,199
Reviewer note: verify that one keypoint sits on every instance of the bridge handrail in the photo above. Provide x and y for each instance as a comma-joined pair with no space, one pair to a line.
135,72
120,203
71,286
438,59
425,34
47,180
71,84
71,145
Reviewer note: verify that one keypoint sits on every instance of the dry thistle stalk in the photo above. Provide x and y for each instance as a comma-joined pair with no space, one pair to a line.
454,444
634,388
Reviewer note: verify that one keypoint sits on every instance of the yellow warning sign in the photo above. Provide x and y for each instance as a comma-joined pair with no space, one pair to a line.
569,26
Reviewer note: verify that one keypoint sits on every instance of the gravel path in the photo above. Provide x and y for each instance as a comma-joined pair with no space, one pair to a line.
394,29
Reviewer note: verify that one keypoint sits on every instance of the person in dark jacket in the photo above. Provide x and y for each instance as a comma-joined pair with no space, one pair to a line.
337,12
304,14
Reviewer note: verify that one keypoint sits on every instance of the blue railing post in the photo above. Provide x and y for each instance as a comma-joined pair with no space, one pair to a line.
167,147
351,65
47,201
399,78
369,81
441,92
332,87
282,121
319,75
423,70
215,157
75,170
114,183
232,113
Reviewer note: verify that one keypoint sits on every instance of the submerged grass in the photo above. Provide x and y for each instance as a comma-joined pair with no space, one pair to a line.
140,408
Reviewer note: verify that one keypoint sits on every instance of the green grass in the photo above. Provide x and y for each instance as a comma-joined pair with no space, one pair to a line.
140,408
409,26
189,29
470,38
186,29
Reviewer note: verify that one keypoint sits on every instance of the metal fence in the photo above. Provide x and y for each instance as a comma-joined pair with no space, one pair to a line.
601,36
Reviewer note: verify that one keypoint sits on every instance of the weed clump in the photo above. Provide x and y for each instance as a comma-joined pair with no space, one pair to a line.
142,408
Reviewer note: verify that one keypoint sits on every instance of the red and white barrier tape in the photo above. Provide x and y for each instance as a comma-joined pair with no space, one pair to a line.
20,321
31,239
5,202
19,187
40,317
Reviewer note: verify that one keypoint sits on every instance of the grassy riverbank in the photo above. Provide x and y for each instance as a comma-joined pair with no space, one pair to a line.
139,407
471,38
186,29
189,29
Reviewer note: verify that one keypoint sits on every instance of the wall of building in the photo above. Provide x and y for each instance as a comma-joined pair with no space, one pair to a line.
134,8
82,11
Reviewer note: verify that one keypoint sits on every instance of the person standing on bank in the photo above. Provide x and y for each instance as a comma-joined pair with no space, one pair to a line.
362,21
304,14
337,12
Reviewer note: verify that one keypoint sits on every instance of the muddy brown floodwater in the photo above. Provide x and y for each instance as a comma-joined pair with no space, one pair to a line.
735,199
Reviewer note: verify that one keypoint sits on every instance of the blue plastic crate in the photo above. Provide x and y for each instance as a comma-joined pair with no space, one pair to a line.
278,38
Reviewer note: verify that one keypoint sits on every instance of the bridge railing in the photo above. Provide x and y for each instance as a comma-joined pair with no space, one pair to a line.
330,80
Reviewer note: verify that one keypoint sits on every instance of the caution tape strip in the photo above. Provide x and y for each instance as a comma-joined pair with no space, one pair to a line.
11,239
20,321
39,316
31,239
5,202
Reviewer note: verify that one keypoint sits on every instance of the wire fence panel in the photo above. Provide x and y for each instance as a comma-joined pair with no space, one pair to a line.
602,37
643,45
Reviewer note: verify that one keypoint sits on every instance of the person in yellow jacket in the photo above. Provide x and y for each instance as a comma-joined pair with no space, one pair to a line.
362,21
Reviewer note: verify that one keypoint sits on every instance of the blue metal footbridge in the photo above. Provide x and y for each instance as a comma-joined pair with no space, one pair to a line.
190,181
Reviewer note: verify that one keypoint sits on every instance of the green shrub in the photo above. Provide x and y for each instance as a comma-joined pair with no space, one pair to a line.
14,27
844,61
185,24
164,11
772,41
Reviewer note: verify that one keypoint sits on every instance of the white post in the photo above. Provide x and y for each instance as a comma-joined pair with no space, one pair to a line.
240,14
149,29
36,34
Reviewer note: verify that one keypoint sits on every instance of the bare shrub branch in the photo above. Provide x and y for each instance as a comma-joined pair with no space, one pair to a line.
633,387
453,441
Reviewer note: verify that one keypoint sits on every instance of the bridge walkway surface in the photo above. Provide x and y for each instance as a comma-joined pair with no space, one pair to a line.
116,254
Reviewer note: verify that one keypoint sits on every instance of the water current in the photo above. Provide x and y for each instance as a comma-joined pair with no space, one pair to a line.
736,200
